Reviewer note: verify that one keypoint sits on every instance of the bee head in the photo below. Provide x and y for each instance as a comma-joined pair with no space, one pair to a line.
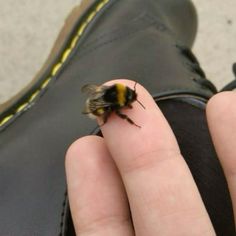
133,97
130,95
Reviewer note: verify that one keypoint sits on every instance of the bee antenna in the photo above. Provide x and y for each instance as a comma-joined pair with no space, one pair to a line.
135,86
137,99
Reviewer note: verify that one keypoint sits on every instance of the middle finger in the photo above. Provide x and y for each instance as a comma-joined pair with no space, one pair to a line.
163,197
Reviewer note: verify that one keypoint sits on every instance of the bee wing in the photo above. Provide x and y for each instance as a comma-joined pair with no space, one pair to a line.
92,89
99,103
89,89
95,104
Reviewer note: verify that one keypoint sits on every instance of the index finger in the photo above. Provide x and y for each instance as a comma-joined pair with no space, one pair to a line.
161,191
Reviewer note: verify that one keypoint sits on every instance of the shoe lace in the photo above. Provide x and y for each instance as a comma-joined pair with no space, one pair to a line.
195,68
231,85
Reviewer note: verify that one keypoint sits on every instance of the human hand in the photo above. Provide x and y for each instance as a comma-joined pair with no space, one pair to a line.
141,171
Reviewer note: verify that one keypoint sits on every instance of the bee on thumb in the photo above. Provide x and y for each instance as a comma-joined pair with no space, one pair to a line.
103,100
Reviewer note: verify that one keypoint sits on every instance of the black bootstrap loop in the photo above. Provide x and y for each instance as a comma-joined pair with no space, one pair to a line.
195,67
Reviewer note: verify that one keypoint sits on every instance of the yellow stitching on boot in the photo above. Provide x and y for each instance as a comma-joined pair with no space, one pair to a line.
22,107
81,29
91,16
74,41
55,69
99,6
66,54
45,83
4,121
34,95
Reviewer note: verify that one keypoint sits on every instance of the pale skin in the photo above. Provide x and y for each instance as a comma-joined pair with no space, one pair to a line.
141,171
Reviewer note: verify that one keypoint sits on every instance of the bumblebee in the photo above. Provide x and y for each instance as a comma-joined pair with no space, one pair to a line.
103,100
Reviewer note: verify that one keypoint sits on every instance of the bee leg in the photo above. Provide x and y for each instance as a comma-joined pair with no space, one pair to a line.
123,116
130,106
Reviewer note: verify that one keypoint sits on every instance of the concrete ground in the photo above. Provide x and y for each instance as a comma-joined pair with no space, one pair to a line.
29,28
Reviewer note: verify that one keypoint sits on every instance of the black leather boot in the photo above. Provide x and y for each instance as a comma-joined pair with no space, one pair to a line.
147,41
